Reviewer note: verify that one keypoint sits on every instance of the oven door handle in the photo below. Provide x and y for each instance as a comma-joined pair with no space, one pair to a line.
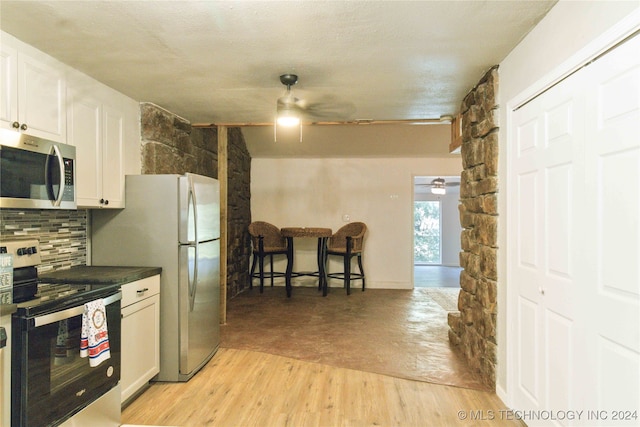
70,312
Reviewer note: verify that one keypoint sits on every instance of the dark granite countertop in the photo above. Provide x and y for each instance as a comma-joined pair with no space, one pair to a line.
103,275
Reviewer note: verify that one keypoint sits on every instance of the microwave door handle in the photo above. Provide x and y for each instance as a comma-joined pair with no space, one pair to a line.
58,154
57,199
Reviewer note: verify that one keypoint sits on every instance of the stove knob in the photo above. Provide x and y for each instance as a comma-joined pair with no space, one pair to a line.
21,251
3,249
34,250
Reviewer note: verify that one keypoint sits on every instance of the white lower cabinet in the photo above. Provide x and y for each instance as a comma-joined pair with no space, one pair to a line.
140,334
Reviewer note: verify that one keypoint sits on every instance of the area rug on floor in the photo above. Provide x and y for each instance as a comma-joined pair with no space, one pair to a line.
447,298
401,333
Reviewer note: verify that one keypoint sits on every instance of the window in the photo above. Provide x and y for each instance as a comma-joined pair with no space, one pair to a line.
427,232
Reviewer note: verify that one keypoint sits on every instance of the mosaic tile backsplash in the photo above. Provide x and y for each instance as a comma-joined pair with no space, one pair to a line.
62,234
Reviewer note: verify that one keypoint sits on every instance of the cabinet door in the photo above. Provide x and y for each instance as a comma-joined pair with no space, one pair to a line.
41,99
140,345
112,160
8,86
85,134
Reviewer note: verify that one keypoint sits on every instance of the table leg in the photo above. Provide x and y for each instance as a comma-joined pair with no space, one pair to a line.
289,266
319,260
322,265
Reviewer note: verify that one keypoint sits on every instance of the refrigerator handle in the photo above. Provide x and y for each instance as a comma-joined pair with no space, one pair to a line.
194,285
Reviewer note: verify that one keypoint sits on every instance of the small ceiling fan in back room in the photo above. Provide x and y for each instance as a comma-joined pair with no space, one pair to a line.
439,186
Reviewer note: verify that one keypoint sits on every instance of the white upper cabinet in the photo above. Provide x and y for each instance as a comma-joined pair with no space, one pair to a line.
113,129
46,98
99,121
32,91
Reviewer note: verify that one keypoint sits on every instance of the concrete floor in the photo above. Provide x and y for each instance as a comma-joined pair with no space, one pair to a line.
436,276
401,333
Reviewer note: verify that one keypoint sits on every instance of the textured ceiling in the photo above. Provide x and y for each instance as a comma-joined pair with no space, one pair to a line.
219,61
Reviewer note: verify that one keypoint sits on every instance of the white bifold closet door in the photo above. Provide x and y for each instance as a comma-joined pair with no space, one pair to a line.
574,244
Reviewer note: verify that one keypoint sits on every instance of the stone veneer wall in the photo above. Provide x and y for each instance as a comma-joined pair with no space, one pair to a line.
473,328
238,212
171,145
62,234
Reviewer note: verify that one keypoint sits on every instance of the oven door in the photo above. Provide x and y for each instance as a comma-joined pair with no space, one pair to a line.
50,381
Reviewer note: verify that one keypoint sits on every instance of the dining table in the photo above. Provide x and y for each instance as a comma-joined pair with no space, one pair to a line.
320,233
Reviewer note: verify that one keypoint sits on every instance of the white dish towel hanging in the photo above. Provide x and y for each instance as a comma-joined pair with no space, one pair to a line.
94,341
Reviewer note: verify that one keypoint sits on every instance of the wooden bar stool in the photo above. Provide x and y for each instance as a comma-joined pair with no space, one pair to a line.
347,242
266,241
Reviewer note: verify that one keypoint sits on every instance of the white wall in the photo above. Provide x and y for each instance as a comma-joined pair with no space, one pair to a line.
318,192
450,222
548,49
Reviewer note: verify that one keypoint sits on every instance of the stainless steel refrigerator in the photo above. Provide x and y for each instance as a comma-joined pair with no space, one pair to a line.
173,222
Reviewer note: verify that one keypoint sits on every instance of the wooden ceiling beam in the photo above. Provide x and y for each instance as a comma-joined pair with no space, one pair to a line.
334,123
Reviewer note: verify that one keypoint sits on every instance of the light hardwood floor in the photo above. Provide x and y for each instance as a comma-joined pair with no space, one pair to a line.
246,388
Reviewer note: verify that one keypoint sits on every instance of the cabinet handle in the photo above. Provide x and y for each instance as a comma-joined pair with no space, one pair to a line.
15,125
106,202
102,201
142,291
24,126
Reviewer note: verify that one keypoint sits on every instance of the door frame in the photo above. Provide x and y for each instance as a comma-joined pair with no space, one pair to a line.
594,49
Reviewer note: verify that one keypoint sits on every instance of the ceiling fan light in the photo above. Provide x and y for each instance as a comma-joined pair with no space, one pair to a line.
287,111
288,120
438,190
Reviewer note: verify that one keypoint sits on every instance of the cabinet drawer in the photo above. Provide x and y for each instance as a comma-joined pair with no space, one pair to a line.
140,290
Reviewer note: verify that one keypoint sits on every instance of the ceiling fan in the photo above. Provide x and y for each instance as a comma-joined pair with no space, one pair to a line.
439,185
318,108
290,110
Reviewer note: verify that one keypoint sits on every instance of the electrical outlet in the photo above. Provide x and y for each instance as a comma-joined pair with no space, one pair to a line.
346,218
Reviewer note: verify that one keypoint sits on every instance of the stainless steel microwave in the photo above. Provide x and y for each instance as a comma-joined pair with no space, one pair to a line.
36,173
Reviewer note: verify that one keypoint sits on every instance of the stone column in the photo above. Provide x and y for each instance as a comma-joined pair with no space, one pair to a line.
473,327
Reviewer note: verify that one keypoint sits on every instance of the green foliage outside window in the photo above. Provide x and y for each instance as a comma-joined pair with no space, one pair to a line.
426,224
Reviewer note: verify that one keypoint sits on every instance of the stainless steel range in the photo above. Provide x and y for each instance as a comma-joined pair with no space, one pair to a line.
51,381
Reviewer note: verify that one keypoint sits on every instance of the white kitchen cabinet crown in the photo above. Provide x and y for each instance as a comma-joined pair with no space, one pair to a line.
140,335
32,91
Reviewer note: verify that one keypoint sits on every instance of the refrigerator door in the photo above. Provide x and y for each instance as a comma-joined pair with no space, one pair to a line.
199,301
199,209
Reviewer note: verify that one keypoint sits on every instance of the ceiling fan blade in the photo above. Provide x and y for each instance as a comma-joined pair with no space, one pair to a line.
328,108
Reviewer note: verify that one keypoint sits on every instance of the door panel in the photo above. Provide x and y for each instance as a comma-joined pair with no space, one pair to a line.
546,236
559,355
613,178
576,232
617,365
528,346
